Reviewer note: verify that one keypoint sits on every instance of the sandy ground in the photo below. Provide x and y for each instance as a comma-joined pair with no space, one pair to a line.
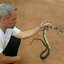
30,14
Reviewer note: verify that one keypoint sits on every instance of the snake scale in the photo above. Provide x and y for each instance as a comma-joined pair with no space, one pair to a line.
45,42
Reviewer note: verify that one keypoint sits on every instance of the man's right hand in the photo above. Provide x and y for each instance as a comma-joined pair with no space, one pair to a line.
18,59
8,59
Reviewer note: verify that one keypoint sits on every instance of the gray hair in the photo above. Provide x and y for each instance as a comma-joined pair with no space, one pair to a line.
6,9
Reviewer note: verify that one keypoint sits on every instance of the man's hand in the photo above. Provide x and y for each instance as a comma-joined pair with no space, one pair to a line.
8,59
43,24
18,59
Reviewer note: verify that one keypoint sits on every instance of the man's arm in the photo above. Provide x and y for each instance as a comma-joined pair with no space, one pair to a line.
29,33
25,34
8,59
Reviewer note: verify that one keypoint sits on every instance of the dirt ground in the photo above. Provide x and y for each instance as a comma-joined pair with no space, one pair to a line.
30,14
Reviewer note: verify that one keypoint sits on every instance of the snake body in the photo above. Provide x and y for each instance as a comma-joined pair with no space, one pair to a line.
45,42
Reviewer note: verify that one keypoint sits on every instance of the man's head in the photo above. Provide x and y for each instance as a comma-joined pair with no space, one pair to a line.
8,15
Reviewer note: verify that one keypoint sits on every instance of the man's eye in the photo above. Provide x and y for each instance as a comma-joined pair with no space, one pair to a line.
14,19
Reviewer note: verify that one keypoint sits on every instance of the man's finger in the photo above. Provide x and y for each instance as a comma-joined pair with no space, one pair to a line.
44,22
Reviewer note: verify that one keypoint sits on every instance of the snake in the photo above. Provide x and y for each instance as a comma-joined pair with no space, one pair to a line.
45,41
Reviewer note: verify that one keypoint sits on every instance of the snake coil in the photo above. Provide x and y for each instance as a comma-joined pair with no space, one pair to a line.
45,42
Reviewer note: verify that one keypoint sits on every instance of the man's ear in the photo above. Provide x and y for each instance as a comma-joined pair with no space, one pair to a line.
3,19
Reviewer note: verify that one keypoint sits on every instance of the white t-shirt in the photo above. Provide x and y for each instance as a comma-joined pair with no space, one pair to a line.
5,37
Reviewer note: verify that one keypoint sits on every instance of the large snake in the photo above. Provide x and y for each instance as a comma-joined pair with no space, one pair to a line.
45,42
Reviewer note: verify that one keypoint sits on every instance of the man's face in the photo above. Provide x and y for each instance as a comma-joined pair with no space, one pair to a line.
12,19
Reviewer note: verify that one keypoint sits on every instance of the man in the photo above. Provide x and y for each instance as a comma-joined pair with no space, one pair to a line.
9,45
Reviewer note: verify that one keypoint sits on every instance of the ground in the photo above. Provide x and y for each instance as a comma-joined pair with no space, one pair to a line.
30,14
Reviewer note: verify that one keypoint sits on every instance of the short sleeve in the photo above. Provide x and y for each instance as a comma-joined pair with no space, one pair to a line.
15,31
